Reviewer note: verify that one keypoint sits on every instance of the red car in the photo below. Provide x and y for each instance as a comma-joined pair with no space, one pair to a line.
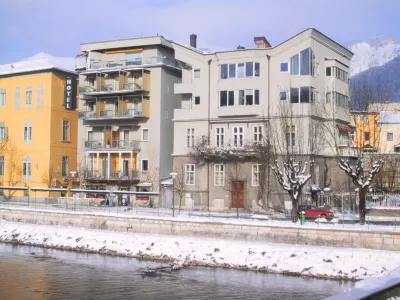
312,212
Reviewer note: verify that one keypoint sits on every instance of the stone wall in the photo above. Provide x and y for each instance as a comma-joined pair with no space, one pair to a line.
383,240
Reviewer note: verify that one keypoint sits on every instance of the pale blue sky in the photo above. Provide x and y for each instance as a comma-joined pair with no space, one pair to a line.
58,27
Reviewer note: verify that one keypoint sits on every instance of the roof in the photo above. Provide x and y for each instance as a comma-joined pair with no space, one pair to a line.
389,117
39,62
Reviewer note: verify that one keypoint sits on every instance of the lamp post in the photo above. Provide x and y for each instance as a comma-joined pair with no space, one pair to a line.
173,176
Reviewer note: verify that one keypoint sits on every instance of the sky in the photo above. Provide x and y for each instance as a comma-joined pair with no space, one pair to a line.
58,27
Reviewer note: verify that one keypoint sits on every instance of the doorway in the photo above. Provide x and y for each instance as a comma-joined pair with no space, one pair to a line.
238,194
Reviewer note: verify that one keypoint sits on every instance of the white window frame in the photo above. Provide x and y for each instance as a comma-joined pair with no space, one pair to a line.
2,165
64,166
219,137
194,70
148,135
219,175
3,99
3,133
66,136
387,136
27,168
28,135
291,133
255,174
238,142
28,104
190,137
190,169
141,164
257,133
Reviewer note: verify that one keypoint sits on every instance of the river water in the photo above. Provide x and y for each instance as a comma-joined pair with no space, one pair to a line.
36,273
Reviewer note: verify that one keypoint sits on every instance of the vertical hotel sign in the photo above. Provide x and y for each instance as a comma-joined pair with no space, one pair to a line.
70,93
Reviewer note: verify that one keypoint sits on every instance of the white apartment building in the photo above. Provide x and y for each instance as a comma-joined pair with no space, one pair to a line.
227,96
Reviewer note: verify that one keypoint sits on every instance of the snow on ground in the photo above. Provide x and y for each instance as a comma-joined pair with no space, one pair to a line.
328,262
184,217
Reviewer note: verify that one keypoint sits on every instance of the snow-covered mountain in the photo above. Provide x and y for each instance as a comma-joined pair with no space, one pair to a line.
373,52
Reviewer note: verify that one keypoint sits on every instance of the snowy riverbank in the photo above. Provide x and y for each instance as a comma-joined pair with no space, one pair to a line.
323,262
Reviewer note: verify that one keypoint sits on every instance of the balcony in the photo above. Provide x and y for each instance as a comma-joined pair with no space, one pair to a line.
116,144
110,114
238,111
103,175
87,89
107,89
83,114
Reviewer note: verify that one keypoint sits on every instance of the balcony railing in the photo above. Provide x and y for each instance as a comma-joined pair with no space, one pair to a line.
113,175
114,144
132,87
132,113
169,61
108,113
108,88
87,89
84,114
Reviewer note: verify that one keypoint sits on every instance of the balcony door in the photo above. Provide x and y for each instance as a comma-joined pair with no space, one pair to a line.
126,138
104,167
137,106
125,167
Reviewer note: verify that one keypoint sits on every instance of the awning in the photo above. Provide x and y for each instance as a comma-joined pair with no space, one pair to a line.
124,51
167,181
345,128
144,184
82,54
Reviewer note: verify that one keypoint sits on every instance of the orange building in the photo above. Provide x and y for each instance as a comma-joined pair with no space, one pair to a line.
366,133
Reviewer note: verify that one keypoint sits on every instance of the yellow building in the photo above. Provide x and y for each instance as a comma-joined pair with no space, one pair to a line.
38,132
366,134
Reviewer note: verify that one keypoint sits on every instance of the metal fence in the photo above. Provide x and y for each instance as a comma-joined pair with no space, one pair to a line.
376,199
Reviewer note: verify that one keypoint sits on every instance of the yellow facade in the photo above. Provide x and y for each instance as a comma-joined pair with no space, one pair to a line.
35,100
366,133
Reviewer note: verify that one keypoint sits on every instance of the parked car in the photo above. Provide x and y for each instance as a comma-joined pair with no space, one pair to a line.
313,212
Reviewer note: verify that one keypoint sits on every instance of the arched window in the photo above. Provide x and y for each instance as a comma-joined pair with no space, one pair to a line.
27,131
26,168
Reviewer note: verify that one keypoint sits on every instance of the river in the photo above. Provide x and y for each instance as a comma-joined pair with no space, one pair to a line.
37,273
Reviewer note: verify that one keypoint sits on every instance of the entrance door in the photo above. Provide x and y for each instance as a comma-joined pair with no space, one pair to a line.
237,194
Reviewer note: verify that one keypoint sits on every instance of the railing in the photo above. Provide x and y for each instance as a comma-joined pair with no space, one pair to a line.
87,89
132,113
169,61
132,87
108,113
120,175
382,199
86,114
108,88
115,144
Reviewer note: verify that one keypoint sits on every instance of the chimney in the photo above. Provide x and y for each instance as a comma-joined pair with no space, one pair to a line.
261,42
240,47
193,40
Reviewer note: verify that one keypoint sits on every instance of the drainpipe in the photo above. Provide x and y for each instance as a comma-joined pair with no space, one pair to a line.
269,127
209,132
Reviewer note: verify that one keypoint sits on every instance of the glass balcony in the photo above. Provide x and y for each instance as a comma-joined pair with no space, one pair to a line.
132,87
108,113
114,144
132,113
83,114
121,64
87,89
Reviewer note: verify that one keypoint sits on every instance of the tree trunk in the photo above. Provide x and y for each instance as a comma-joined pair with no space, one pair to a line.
295,210
180,203
361,206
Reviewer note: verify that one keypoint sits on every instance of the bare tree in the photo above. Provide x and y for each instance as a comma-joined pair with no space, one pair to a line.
13,158
361,178
151,177
179,182
49,177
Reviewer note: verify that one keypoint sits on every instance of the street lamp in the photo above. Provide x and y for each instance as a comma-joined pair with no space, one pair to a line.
173,176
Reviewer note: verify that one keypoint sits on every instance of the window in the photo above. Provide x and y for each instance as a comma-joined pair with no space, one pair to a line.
256,97
365,119
26,167
3,132
1,165
283,96
231,98
189,137
144,165
17,98
65,130
189,174
196,73
305,62
389,136
27,132
3,97
219,175
257,69
249,97
355,118
28,96
294,95
284,67
328,71
145,134
304,94
249,69
343,138
238,136
196,100
219,137
241,97
224,71
40,96
64,166
240,71
294,65
223,98
232,70
291,135
255,175
366,136
257,134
